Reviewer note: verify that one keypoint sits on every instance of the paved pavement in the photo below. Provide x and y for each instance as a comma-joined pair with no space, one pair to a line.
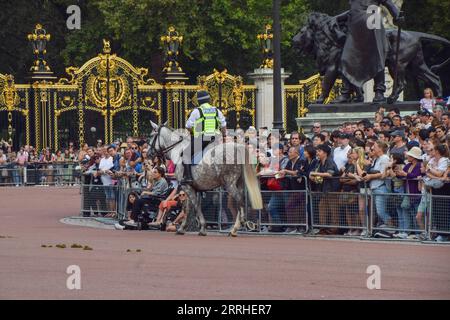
192,267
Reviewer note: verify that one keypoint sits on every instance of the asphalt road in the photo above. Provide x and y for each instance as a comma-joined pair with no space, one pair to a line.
193,267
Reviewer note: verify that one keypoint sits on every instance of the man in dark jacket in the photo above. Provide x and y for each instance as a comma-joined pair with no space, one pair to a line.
295,202
327,177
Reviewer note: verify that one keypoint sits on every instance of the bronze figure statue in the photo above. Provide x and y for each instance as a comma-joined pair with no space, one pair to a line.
325,37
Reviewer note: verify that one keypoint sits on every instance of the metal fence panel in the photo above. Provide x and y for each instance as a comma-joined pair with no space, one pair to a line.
11,176
440,214
298,211
333,211
41,174
401,210
99,200
284,211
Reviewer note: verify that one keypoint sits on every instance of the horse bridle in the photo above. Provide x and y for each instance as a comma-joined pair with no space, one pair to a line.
162,152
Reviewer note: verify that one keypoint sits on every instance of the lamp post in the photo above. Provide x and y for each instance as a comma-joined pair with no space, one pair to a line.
277,99
173,75
172,42
40,70
266,40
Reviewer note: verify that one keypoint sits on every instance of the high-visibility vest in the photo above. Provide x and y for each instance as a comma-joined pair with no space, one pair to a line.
208,123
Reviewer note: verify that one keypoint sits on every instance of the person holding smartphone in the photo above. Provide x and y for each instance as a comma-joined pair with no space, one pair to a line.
105,167
376,178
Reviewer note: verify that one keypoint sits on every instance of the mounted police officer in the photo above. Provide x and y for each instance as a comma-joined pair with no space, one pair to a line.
205,123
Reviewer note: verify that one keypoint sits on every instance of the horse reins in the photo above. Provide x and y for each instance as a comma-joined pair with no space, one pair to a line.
161,153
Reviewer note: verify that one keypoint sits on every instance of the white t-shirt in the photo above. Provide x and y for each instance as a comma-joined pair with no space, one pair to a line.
106,164
440,165
340,156
427,104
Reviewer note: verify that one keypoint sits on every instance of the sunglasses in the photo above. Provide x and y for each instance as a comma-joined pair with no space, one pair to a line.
182,194
316,127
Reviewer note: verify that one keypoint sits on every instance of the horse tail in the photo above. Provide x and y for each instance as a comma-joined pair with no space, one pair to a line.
252,184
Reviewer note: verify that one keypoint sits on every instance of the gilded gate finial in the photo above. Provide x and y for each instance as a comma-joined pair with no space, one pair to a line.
106,46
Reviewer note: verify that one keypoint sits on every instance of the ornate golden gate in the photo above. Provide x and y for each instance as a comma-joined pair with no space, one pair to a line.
236,100
110,93
299,96
107,98
14,110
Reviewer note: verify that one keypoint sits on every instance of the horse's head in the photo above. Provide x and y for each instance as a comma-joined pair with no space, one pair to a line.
154,141
162,140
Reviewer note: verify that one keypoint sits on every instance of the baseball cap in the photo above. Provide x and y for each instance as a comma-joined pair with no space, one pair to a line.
399,133
412,144
424,113
344,136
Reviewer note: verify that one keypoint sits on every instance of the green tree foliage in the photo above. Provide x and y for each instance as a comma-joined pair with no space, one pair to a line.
217,33
18,18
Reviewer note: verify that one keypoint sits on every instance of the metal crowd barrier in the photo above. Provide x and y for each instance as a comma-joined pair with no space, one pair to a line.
439,222
58,174
402,209
99,200
309,212
334,211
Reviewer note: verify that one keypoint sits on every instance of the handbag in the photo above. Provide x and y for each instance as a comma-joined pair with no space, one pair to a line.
274,185
406,204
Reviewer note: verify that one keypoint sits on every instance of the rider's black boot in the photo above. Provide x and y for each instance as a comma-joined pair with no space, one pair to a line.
187,174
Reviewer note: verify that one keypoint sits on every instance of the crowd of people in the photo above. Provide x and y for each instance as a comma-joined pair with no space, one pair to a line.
66,166
389,154
30,166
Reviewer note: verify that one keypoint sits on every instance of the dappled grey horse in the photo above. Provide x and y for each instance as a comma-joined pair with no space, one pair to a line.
223,165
